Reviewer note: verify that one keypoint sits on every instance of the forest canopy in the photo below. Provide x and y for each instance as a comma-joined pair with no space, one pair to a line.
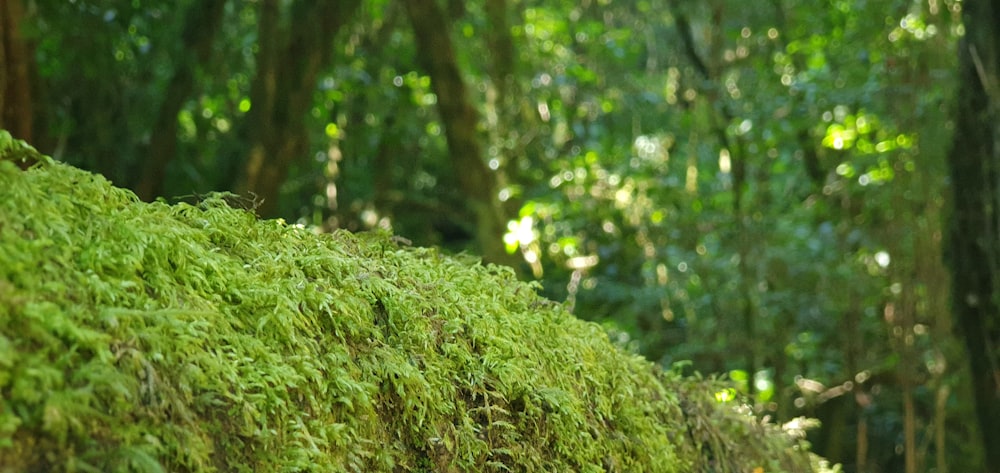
760,192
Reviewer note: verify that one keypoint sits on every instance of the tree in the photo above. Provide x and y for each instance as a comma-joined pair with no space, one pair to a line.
203,21
291,55
437,56
16,67
974,165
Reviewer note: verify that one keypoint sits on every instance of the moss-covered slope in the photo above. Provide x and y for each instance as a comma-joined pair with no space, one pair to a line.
151,337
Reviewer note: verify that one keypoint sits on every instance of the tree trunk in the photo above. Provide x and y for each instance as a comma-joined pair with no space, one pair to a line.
437,55
501,44
16,59
203,20
974,165
288,65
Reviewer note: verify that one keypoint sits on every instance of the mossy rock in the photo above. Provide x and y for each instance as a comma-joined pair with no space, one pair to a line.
196,338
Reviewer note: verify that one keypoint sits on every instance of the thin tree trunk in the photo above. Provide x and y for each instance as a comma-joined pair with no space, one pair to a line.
503,100
735,152
909,429
16,59
288,65
861,456
204,19
501,46
436,53
259,132
974,165
940,428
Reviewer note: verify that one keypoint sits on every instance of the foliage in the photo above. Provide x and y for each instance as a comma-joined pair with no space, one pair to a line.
150,337
757,190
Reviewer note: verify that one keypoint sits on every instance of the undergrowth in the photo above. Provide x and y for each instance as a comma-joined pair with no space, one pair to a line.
197,338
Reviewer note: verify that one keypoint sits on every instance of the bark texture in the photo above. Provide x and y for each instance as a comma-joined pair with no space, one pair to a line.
974,164
436,54
16,111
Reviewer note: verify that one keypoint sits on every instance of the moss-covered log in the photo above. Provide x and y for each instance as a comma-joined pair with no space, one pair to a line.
195,338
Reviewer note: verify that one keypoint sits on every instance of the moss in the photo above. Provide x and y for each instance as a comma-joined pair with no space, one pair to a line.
155,337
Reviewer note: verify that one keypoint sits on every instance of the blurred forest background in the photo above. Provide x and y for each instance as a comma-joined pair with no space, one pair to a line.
758,189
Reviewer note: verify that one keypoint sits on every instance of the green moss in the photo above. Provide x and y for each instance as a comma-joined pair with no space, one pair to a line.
151,337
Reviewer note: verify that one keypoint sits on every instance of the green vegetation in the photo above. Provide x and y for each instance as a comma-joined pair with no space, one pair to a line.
762,190
155,337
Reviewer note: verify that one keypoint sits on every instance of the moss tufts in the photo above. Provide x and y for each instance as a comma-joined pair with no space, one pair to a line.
150,337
